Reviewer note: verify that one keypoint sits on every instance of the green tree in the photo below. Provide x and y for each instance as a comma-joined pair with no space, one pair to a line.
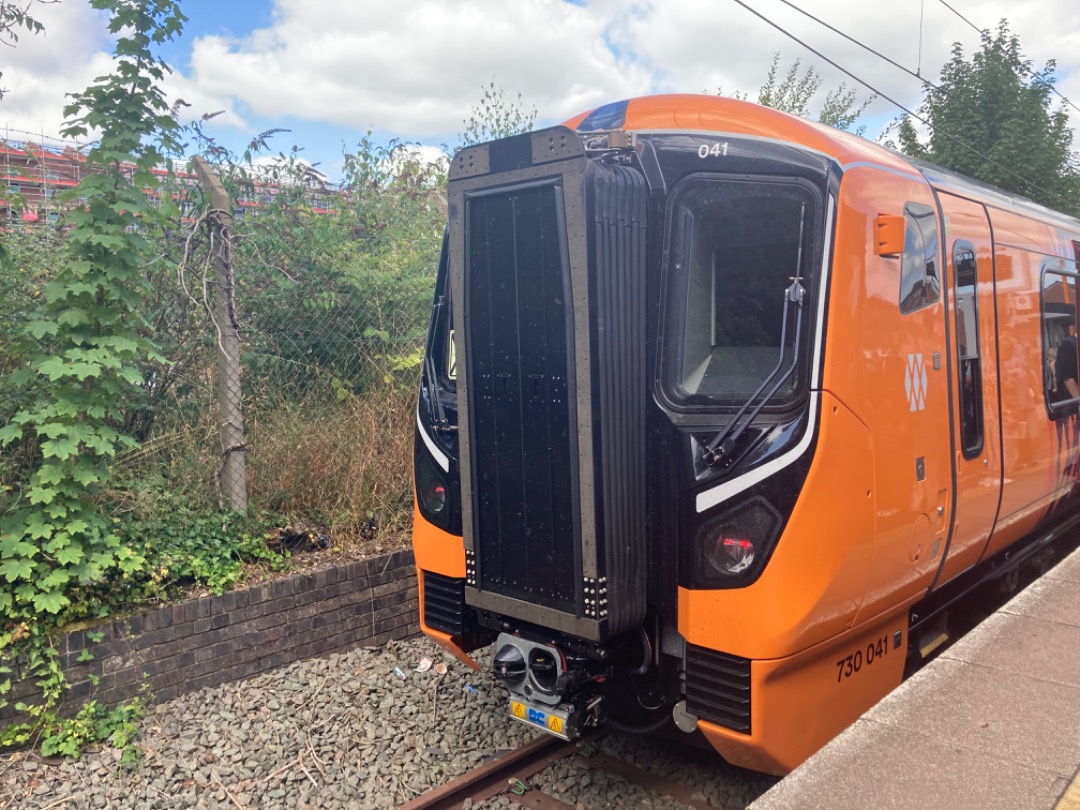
991,117
796,91
496,117
82,354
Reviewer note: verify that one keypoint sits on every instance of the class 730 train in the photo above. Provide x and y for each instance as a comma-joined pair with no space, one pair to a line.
722,409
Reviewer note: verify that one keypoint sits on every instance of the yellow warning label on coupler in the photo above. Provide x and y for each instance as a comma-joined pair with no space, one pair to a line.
555,724
518,709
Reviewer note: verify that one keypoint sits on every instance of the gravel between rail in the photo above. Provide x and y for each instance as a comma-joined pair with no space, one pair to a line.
344,731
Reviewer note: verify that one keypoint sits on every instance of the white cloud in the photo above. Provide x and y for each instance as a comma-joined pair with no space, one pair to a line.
199,103
416,69
700,45
42,69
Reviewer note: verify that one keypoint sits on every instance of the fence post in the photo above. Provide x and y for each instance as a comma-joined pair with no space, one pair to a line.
232,473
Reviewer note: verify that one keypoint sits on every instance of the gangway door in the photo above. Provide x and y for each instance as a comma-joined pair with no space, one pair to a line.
547,268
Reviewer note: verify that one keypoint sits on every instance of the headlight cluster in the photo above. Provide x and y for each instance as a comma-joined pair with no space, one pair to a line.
733,545
435,491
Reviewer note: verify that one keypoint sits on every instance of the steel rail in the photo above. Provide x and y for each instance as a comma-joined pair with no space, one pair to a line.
494,776
502,773
647,780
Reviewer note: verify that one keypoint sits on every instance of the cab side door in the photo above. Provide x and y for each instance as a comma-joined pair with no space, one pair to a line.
976,408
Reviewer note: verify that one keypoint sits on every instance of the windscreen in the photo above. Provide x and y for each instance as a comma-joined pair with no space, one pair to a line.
736,248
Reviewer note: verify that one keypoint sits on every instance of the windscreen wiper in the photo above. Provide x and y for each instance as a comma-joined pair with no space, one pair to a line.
724,442
435,406
727,439
435,409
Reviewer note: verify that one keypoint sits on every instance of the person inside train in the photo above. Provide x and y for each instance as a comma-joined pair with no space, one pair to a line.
1065,371
1065,374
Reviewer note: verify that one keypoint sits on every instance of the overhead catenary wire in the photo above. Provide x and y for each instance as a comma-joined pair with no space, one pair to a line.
962,17
917,74
958,141
862,45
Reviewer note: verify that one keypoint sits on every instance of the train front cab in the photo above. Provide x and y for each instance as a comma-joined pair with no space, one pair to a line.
968,467
825,626
854,478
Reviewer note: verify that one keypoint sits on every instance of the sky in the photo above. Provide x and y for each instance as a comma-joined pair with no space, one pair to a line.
329,71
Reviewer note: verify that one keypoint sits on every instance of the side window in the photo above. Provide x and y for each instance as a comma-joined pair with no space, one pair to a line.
1060,372
965,273
920,284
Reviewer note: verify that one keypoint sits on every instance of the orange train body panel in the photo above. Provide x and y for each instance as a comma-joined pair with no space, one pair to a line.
978,479
930,446
442,553
845,673
813,590
436,550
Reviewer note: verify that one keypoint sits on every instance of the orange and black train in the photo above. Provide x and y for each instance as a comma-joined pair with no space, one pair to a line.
721,409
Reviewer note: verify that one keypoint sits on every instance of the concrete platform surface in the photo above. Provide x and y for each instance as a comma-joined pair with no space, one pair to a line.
992,724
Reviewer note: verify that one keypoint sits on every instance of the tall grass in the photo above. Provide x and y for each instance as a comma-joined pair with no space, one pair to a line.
340,463
345,464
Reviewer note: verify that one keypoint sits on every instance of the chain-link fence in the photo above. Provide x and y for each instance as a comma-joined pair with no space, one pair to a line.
332,310
329,312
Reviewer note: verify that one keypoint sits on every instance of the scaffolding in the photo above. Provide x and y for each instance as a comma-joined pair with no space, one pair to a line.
35,169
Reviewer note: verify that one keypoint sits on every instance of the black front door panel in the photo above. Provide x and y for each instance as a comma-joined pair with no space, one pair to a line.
547,266
518,300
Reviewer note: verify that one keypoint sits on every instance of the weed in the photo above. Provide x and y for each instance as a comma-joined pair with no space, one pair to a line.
95,723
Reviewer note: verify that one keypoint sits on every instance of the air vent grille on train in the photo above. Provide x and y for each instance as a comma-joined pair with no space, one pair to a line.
718,687
444,603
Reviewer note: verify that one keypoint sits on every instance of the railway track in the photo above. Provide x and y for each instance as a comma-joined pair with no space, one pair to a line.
519,774
512,772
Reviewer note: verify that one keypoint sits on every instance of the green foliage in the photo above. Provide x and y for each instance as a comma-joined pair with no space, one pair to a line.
32,254
328,299
495,117
56,547
15,15
95,723
82,364
991,118
795,92
185,549
106,403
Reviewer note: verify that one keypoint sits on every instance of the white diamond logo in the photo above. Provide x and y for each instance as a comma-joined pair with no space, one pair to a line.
915,382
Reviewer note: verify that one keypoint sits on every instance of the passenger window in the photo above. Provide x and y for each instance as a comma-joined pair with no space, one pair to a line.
965,274
1060,372
920,285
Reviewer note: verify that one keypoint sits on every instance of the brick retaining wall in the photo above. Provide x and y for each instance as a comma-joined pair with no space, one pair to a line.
181,647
